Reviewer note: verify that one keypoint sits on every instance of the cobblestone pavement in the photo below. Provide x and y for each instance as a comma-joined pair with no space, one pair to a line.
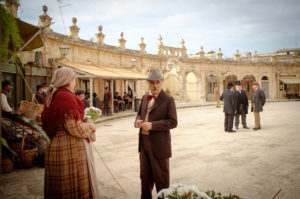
254,165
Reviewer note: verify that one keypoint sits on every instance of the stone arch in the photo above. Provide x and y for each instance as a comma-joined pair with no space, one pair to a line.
265,84
229,78
246,81
192,88
212,80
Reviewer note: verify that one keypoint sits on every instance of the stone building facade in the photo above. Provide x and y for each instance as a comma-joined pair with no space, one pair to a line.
187,77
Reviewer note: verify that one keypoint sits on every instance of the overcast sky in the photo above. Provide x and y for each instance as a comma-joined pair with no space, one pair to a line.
247,25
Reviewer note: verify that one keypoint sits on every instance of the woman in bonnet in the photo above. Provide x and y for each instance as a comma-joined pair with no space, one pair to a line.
69,166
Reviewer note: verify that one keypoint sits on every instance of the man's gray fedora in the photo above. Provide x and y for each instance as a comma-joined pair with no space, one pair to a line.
155,74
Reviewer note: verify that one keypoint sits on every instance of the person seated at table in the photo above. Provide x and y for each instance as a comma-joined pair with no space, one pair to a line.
96,100
130,94
120,101
117,96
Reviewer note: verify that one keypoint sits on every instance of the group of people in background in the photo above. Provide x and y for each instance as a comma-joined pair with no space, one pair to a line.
236,105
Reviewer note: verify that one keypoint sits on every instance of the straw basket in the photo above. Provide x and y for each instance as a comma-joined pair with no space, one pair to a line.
31,110
26,151
7,165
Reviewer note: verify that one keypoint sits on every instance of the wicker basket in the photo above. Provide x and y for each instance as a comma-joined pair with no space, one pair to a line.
7,165
30,110
28,153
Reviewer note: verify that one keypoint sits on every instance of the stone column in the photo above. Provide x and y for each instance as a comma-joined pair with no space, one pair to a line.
203,87
45,19
74,30
112,96
142,46
91,91
99,37
183,86
122,41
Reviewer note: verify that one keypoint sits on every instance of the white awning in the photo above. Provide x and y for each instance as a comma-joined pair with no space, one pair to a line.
291,81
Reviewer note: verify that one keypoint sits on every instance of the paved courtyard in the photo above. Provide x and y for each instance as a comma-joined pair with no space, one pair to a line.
254,165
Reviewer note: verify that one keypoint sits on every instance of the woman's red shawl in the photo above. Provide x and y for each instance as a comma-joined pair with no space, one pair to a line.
65,105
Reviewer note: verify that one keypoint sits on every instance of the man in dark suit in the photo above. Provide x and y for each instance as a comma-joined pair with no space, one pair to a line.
257,102
107,102
230,107
156,116
242,106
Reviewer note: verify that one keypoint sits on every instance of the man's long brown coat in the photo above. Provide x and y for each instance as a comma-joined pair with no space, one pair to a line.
163,117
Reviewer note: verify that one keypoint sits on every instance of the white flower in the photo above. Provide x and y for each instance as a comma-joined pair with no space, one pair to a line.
203,195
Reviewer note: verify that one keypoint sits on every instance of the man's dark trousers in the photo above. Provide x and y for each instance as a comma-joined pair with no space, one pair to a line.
228,122
153,170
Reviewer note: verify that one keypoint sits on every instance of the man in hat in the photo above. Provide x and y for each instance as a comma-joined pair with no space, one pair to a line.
107,101
217,96
6,103
39,97
257,102
230,107
156,116
242,106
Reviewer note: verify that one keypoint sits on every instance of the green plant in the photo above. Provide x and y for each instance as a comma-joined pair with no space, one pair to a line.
5,144
215,195
11,41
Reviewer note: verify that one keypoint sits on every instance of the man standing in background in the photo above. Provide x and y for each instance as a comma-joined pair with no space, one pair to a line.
257,102
107,101
230,107
242,106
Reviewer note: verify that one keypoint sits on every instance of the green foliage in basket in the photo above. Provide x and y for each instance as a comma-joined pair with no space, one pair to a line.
4,143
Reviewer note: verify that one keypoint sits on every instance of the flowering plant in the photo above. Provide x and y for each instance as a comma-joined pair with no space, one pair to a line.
92,113
180,191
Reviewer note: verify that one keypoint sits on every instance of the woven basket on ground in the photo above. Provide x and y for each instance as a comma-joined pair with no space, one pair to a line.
30,110
26,151
7,165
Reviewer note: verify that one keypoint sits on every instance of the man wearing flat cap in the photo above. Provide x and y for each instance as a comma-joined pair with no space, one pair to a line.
230,107
257,102
242,106
156,116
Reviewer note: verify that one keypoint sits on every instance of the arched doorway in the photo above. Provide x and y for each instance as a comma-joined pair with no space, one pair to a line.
211,83
246,83
229,78
191,87
172,84
265,85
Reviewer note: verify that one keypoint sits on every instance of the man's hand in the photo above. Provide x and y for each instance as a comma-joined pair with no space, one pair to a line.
147,126
138,123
